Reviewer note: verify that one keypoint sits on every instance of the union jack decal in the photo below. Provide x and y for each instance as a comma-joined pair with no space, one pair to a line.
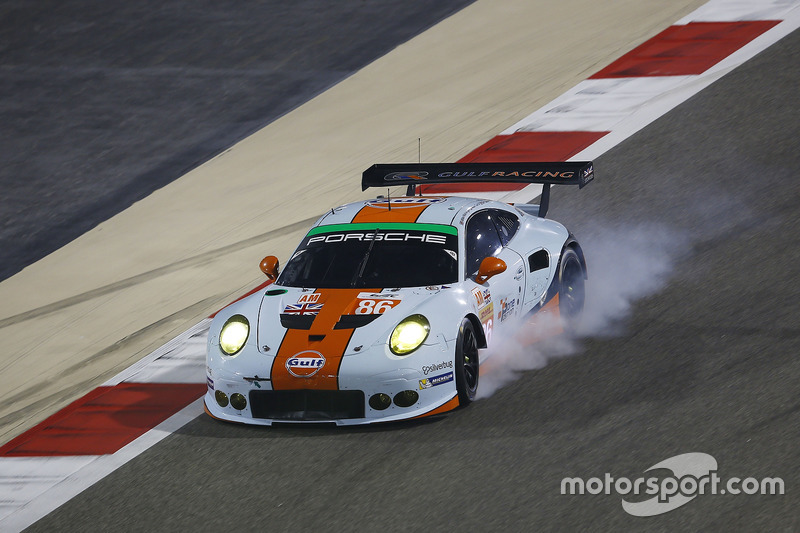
302,309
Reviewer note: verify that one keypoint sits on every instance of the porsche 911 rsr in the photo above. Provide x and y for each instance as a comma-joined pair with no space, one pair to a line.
386,307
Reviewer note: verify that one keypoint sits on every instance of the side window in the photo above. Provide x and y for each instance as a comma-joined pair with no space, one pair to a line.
482,240
507,225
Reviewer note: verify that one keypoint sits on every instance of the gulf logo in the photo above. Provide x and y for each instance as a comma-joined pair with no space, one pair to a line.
405,202
305,364
405,176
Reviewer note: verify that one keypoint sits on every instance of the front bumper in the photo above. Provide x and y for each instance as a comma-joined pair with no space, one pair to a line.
364,395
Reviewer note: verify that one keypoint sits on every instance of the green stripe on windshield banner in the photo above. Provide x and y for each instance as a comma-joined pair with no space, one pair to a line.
388,226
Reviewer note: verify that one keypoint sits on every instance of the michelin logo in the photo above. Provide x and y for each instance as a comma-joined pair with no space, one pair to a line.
435,380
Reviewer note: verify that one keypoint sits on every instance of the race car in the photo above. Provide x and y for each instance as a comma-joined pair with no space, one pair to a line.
388,307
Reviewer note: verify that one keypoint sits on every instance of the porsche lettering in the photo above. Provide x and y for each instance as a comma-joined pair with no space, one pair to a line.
387,237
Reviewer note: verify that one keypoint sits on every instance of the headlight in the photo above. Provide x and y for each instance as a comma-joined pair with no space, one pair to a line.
409,335
234,334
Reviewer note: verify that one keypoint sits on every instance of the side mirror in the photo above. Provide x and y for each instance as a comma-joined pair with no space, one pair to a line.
269,266
490,266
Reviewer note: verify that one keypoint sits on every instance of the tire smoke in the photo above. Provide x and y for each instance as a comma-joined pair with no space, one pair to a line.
624,265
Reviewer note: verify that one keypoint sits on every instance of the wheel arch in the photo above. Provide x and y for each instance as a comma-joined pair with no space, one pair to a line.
573,244
570,243
478,327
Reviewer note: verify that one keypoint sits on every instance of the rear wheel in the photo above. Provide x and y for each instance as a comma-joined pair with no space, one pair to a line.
572,289
466,368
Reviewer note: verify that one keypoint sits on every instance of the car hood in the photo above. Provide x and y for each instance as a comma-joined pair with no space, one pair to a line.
318,327
363,315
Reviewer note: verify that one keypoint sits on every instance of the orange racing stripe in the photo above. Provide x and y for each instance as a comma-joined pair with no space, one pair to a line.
400,212
322,340
451,404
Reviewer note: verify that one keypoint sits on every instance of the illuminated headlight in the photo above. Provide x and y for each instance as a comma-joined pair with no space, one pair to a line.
234,334
409,335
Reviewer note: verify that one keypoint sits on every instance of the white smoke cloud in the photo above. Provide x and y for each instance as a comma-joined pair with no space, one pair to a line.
624,265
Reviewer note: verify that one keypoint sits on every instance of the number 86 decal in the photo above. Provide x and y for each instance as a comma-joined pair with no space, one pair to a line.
374,307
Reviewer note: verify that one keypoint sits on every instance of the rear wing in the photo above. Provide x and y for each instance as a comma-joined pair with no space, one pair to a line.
577,173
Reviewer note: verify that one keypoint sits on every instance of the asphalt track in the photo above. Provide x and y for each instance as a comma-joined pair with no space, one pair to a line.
103,103
99,304
708,363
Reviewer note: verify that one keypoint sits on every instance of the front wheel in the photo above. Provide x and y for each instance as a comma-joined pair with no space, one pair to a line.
466,363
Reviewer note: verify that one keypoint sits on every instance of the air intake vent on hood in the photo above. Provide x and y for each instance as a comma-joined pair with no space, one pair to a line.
297,321
354,321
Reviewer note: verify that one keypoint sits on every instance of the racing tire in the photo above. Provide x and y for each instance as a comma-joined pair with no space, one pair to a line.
571,286
466,363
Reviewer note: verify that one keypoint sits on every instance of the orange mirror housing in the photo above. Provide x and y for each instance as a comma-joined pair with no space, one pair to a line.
269,266
490,266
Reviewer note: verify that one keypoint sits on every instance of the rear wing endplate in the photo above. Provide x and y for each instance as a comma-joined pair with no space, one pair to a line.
577,173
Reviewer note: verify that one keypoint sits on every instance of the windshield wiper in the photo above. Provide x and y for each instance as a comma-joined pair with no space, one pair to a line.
363,264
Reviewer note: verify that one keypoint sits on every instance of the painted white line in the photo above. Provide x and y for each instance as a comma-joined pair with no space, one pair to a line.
666,102
599,105
608,111
740,10
181,360
23,479
33,487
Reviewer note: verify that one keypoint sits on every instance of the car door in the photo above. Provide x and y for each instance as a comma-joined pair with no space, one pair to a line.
538,276
499,299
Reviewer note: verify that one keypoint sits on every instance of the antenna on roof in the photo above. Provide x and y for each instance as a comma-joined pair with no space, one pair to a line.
411,190
419,158
389,198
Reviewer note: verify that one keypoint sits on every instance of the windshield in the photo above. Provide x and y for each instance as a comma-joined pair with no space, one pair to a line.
374,255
